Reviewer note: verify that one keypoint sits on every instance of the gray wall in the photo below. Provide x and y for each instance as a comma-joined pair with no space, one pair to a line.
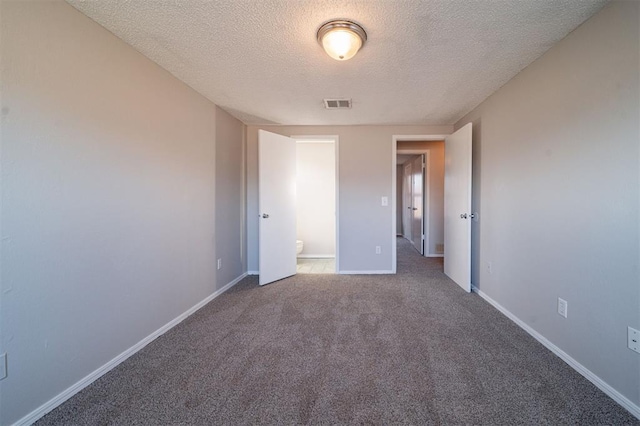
366,167
556,183
230,195
108,200
365,174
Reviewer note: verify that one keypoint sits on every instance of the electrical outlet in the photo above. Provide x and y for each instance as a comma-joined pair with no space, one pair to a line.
3,366
562,307
378,250
219,263
633,337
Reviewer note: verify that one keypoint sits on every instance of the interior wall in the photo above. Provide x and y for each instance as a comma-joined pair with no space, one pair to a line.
366,170
108,199
559,184
316,198
230,198
435,243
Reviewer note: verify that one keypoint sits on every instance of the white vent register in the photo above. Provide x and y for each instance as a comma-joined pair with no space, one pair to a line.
337,103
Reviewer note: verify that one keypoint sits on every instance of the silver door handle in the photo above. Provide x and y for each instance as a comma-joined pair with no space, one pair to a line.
265,216
415,208
409,208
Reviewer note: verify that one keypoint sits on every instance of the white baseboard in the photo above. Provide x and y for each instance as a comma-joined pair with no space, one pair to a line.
316,256
253,272
389,272
87,380
625,402
434,255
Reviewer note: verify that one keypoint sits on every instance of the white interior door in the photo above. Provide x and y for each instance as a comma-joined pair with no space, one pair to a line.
417,203
457,207
277,206
406,201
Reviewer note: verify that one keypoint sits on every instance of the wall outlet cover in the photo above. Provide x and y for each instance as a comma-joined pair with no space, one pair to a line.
378,250
562,307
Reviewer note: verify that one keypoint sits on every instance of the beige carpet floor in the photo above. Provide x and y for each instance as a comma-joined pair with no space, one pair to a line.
329,349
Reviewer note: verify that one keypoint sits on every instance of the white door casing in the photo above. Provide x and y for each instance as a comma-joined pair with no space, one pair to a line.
276,206
457,207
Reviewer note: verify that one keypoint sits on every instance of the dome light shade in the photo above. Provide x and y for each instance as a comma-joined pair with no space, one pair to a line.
341,39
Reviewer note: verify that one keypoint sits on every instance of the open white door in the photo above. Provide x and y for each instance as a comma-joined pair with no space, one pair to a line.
277,206
457,207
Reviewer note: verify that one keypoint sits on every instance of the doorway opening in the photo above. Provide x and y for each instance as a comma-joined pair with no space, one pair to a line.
316,179
419,193
412,174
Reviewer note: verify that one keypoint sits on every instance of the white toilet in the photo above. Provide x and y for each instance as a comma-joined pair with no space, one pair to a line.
299,246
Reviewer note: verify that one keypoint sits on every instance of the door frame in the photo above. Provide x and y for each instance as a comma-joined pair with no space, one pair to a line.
336,144
394,151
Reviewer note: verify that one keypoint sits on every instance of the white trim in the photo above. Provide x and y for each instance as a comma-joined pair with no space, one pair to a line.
96,374
389,272
626,403
394,206
316,256
426,203
419,138
253,272
434,255
337,153
307,139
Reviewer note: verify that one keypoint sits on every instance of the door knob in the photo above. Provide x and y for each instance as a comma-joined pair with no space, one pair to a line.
265,216
463,216
415,208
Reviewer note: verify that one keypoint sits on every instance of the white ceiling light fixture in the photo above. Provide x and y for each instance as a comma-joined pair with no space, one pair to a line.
341,39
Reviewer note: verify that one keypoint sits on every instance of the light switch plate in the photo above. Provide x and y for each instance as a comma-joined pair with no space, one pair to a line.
385,201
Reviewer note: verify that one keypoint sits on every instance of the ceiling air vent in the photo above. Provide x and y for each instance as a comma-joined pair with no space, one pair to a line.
337,103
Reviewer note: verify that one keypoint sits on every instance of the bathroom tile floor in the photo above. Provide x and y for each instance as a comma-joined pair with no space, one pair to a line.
316,266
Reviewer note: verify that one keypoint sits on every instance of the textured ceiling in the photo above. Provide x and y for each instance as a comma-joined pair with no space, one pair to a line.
425,62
